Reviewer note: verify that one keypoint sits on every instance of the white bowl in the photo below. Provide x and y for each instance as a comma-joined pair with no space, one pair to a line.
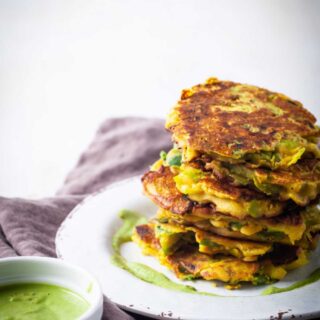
56,272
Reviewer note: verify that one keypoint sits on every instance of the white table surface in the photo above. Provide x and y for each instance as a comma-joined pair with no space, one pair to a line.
66,65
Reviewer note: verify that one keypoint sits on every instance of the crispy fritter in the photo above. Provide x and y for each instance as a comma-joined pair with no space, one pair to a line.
160,187
186,193
300,182
287,228
147,235
229,120
228,198
172,235
232,270
188,263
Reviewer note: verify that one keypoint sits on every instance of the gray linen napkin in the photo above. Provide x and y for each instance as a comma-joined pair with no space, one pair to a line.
122,147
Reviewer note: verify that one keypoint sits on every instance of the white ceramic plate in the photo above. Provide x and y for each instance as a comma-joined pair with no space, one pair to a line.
85,236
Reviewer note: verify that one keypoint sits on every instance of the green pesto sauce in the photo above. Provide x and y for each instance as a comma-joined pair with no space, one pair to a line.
140,270
130,221
38,301
313,277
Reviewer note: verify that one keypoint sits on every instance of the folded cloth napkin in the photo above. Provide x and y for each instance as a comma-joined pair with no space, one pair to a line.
122,147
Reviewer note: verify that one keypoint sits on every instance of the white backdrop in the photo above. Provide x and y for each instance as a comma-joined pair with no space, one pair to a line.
66,65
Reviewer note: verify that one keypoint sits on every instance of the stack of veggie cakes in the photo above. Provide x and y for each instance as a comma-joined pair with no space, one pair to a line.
238,193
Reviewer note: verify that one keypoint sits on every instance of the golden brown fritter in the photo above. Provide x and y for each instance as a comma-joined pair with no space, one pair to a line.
171,235
286,228
180,194
231,270
188,263
160,187
300,182
147,235
237,121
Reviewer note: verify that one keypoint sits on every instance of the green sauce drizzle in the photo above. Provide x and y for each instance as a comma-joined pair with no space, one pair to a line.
130,221
313,277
